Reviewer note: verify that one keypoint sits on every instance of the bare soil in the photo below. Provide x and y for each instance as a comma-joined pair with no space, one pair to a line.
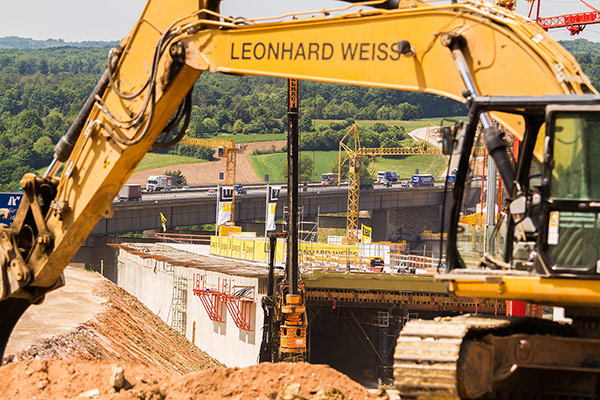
126,352
59,379
207,173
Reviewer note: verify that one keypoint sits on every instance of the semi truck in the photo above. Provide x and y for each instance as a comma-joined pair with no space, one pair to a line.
422,180
130,192
330,178
157,183
386,178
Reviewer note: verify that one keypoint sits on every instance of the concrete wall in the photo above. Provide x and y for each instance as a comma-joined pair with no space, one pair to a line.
151,281
182,209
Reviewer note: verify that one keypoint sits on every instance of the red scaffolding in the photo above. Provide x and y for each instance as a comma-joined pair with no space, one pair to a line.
225,297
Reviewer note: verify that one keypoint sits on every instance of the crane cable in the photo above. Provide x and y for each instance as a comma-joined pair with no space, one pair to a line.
589,6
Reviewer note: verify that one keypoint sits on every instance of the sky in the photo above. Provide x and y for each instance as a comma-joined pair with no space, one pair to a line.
81,20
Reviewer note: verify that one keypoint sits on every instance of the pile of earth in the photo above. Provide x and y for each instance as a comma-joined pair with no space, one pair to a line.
58,379
126,352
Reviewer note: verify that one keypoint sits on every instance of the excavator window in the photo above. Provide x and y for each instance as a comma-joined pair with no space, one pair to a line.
472,220
576,157
573,236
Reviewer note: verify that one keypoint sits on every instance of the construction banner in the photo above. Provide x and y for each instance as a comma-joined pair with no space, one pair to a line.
329,249
247,249
163,219
224,201
365,234
272,197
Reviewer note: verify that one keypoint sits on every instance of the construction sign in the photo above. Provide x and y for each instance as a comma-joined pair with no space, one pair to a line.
365,234
163,220
329,249
272,197
224,201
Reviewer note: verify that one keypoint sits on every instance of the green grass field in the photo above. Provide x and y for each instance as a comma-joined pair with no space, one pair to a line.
324,161
154,160
271,164
405,166
254,137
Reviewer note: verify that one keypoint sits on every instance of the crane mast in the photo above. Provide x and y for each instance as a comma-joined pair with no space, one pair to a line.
354,152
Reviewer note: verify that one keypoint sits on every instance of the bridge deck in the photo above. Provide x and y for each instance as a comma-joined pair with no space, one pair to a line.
415,292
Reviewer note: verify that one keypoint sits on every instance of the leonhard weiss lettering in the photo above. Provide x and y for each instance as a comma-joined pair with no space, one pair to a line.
290,51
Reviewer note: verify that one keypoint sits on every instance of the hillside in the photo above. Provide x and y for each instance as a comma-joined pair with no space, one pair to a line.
43,85
14,42
207,173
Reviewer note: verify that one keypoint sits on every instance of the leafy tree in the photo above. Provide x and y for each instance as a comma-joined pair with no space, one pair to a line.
379,127
178,177
305,168
305,124
43,87
365,174
210,125
203,153
238,126
43,150
255,126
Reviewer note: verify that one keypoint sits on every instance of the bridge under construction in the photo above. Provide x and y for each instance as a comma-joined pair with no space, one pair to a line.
354,313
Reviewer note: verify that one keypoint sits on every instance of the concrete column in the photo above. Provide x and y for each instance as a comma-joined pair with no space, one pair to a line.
380,225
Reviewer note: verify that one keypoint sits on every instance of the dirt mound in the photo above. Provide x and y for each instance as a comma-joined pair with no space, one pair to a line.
57,379
207,173
268,381
124,331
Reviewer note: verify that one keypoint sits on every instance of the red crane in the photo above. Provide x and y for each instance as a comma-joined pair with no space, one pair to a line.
575,23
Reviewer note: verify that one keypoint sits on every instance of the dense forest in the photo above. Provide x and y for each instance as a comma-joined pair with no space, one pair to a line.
42,88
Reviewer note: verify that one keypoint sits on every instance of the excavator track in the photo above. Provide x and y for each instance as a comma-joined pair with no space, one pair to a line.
469,357
427,355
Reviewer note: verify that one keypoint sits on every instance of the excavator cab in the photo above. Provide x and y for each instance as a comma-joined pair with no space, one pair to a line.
545,221
540,244
571,217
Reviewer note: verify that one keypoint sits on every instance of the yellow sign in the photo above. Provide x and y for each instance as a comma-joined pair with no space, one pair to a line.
366,234
163,219
248,249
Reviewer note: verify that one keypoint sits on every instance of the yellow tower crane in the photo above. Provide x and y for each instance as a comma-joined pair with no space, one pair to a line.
354,154
230,150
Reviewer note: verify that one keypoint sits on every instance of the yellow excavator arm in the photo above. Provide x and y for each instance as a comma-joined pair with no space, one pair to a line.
443,49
